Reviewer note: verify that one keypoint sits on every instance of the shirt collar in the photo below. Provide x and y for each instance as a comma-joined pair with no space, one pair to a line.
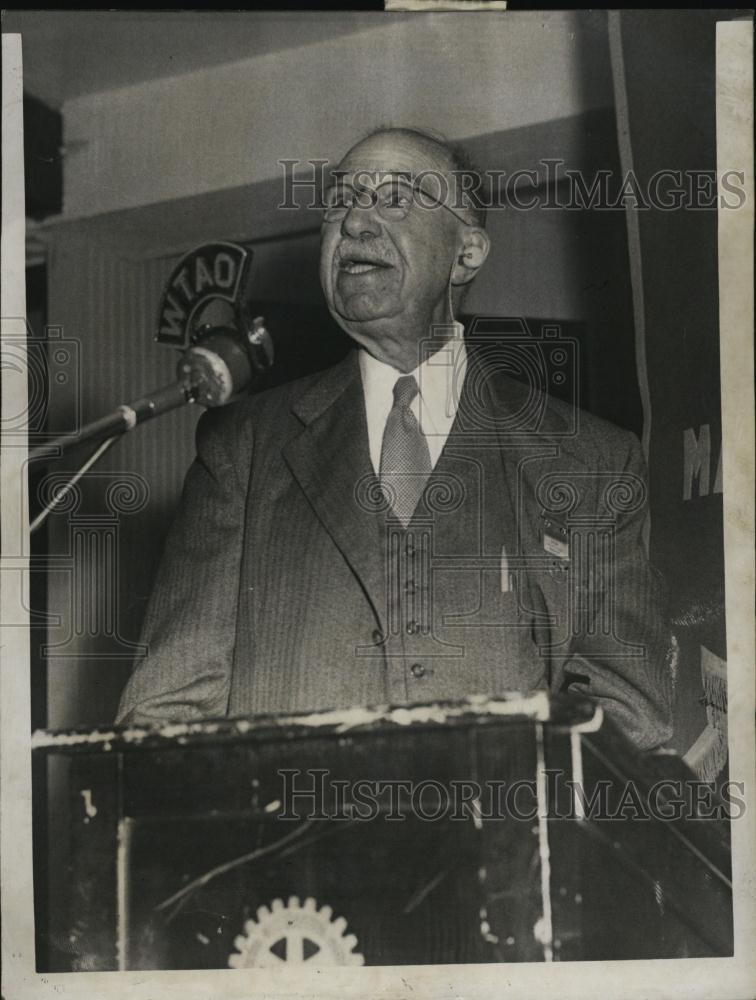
439,376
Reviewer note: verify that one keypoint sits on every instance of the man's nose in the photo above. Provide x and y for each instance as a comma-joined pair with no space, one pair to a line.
361,221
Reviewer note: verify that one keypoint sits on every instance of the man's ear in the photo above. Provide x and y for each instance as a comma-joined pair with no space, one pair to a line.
471,256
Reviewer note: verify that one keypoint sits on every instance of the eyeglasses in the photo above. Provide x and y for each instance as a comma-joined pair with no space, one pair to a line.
392,200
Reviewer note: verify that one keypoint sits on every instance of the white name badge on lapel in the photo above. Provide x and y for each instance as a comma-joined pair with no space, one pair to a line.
556,539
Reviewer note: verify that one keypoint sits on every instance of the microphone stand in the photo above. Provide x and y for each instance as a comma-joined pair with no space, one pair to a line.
110,427
120,421
220,362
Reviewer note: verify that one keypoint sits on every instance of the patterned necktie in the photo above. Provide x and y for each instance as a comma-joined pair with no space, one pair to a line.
405,459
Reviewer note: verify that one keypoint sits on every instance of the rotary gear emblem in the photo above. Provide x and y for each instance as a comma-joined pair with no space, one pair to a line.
294,934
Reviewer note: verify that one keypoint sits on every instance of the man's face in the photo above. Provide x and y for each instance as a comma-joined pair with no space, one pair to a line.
388,279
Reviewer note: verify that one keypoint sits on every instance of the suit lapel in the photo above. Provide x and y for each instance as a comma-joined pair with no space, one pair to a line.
330,460
524,427
487,403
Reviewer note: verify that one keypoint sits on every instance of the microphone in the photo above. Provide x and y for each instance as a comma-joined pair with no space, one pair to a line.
219,364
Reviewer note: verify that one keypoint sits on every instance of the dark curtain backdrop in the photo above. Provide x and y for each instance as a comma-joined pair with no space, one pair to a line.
669,61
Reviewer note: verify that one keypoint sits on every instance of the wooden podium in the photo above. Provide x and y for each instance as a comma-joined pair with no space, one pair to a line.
524,829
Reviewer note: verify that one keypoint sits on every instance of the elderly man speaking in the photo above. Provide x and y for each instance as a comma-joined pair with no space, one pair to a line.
377,533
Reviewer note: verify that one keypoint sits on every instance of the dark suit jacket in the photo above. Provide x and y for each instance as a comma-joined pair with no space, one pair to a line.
286,586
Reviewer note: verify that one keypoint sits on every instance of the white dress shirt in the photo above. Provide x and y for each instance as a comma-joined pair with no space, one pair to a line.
439,379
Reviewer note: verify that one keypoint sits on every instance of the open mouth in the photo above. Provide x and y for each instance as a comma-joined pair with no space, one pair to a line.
358,264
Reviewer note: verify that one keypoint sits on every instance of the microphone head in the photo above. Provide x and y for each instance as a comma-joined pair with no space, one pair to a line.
222,362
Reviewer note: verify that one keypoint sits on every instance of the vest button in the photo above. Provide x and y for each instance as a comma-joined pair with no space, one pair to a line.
417,670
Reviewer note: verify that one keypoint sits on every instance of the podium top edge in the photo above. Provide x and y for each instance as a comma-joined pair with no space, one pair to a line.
536,707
